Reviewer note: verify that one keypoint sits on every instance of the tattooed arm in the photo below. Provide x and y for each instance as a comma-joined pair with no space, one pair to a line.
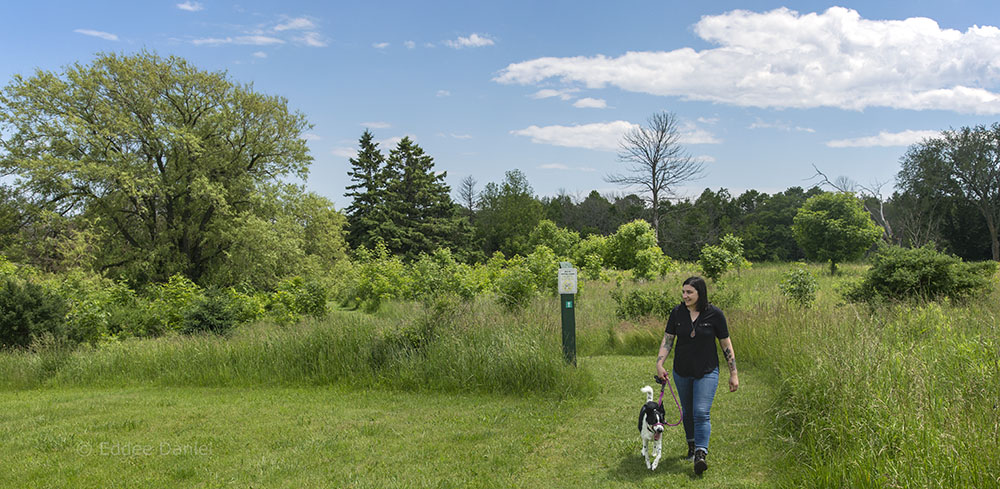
727,351
665,346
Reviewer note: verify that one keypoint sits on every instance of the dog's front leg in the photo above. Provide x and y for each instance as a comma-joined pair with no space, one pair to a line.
657,450
645,452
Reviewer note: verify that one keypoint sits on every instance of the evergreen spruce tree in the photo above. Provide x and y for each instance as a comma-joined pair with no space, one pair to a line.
419,213
368,174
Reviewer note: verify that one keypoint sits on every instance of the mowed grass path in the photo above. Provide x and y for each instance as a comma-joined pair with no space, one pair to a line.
339,437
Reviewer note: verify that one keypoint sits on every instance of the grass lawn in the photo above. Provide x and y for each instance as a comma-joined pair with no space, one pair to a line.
338,437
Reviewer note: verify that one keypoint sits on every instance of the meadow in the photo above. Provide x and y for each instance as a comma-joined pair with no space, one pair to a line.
468,394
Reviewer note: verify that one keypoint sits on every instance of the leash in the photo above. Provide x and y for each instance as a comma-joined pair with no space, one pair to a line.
663,386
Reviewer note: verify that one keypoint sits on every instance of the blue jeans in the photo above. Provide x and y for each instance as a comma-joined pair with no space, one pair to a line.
696,397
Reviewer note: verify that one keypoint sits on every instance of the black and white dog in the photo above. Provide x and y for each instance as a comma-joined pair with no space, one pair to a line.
651,428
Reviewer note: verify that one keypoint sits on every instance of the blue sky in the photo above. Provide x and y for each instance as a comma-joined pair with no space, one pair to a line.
763,90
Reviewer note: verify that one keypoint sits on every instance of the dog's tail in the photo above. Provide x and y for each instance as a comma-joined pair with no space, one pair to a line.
649,393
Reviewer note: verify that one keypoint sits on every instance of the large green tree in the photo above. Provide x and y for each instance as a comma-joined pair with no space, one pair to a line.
163,156
507,214
962,164
835,227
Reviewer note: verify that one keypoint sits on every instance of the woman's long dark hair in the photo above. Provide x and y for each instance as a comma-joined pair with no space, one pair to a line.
699,286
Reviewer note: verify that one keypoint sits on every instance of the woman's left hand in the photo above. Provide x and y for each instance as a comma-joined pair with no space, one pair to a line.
734,382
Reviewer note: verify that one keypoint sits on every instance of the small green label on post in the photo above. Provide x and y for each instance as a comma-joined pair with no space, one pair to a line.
569,304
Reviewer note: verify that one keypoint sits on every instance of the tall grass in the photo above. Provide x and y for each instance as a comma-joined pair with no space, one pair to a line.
454,348
904,395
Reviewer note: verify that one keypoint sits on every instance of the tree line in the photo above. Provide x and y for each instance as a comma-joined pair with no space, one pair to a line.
141,167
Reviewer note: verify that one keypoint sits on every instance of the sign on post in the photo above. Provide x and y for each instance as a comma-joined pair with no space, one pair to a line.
567,291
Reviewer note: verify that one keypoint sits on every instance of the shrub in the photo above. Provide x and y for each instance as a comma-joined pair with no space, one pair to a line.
716,260
29,310
380,277
638,303
215,312
516,286
625,244
171,302
545,269
799,286
559,240
919,273
650,263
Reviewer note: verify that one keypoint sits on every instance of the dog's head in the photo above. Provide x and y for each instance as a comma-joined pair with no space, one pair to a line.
652,415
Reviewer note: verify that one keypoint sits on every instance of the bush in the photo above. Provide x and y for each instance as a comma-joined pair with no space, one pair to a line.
627,242
29,310
213,312
638,303
716,260
919,273
799,286
516,286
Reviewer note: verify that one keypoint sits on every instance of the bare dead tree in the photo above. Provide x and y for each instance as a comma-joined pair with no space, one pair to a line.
467,194
655,161
867,193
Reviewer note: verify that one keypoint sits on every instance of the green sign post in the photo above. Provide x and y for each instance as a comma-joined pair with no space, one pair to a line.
567,292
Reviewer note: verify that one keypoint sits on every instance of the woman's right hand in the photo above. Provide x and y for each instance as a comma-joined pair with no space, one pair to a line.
661,372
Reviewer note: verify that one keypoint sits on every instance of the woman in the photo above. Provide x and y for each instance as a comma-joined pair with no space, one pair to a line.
696,324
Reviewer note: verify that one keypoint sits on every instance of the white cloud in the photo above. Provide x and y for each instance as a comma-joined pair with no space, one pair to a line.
380,45
708,120
461,136
885,139
297,24
782,58
409,44
311,137
442,93
602,136
473,41
311,39
191,6
590,103
256,40
780,125
564,94
103,35
705,159
562,167
554,166
376,125
691,134
259,54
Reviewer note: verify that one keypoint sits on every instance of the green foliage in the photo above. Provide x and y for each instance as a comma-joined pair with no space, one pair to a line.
920,273
716,260
638,303
561,241
161,155
438,274
834,227
27,311
651,263
507,214
516,285
379,277
799,286
623,247
544,267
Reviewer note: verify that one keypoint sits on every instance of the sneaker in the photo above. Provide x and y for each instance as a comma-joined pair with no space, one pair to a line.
690,455
700,465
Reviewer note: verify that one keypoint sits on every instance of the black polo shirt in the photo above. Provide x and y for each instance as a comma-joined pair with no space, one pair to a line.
695,357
